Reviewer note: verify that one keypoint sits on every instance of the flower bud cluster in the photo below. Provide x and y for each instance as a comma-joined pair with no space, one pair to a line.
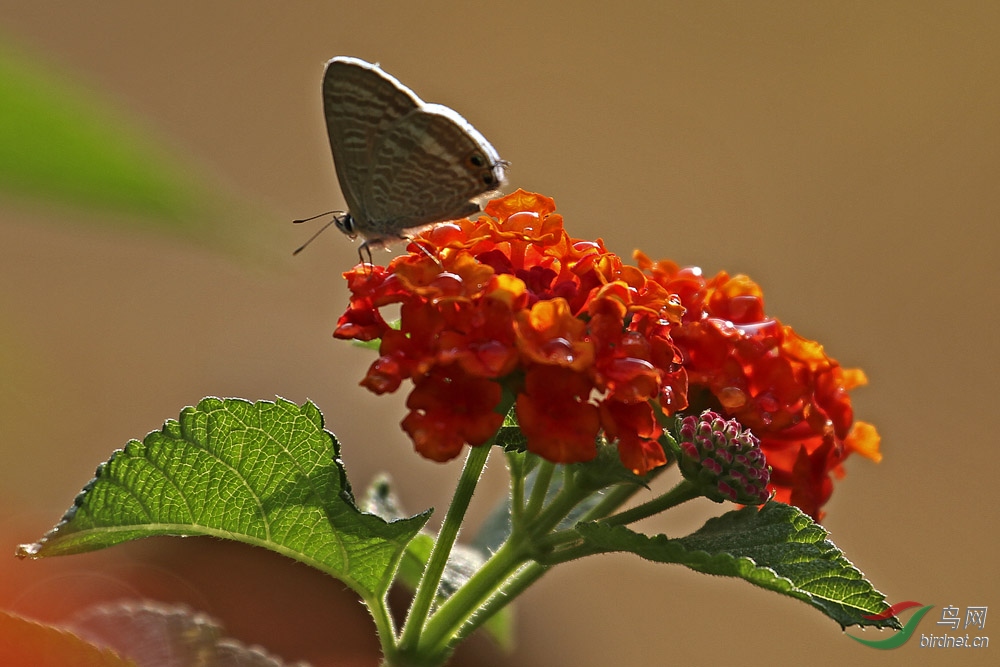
724,459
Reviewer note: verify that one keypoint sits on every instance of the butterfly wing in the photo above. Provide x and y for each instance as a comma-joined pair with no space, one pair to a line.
430,165
360,102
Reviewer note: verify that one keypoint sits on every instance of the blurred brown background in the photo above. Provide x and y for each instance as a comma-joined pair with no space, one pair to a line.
845,155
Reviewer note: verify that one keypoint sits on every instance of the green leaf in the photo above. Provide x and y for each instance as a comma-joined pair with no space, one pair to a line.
778,548
509,437
60,142
263,473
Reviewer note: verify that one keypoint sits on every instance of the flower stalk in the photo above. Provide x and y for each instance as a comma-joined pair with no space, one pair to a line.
609,373
475,463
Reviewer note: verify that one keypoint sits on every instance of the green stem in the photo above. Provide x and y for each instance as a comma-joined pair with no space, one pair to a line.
487,582
557,510
427,588
491,583
516,584
384,626
568,554
544,541
559,547
516,468
528,574
613,499
683,492
539,489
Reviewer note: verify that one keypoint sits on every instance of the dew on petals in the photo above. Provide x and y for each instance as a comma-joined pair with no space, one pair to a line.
522,220
580,246
559,350
764,327
449,284
732,397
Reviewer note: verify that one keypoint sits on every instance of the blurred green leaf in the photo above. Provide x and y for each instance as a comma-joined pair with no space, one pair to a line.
61,143
263,473
26,642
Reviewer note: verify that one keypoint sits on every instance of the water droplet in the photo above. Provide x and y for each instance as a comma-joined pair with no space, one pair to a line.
559,350
732,398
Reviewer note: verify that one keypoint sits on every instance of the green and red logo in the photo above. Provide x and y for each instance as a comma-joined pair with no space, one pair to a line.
901,637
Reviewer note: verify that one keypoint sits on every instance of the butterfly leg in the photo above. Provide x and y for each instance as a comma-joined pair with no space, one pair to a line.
365,249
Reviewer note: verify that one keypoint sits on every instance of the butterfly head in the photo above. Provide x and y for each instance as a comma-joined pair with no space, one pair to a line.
345,222
491,170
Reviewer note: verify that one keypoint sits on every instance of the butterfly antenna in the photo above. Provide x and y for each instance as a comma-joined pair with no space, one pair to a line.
321,229
318,215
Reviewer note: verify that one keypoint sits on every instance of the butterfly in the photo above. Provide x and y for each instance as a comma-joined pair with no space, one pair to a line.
402,164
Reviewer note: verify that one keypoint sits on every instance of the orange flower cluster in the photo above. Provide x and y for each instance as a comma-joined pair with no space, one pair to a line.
781,386
511,302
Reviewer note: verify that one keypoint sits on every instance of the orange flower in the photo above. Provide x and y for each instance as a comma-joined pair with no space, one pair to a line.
509,299
785,388
549,334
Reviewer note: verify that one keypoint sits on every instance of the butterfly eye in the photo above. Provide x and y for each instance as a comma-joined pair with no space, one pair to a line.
345,223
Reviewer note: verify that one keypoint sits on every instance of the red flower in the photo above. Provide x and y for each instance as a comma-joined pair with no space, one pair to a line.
449,408
636,430
791,395
586,342
555,415
512,299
